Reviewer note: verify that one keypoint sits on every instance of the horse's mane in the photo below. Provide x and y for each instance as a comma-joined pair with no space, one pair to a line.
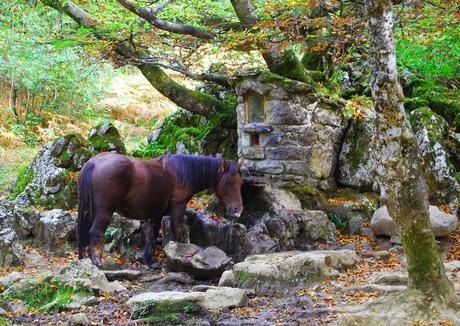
197,172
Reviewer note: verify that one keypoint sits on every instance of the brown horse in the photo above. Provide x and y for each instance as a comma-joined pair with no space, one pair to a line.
148,190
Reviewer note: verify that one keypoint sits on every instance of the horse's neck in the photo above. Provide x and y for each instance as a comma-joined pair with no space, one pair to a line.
199,175
211,177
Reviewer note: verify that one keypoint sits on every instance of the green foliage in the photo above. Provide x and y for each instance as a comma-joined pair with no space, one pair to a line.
45,295
37,59
181,126
25,175
430,44
113,234
337,219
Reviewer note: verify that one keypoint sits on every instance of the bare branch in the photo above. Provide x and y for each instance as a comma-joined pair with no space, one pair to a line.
149,16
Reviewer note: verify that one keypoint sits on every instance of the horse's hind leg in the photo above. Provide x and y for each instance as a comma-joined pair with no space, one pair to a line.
96,236
151,234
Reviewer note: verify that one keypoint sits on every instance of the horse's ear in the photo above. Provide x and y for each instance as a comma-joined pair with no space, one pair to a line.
240,162
224,165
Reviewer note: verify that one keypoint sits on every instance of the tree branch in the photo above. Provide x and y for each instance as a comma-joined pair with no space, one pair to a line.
151,17
203,76
191,100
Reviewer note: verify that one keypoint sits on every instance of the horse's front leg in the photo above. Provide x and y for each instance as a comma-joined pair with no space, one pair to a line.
151,234
177,213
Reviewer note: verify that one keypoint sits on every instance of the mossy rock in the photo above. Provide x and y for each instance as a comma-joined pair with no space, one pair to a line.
165,312
106,138
45,294
71,152
440,153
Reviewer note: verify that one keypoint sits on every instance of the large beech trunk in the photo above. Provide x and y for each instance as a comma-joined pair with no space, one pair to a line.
403,185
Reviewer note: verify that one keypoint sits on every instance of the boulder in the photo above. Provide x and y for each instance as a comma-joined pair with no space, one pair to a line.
214,298
284,229
382,223
227,279
10,279
84,273
201,263
11,253
55,229
298,229
106,138
281,273
441,222
32,292
358,161
123,234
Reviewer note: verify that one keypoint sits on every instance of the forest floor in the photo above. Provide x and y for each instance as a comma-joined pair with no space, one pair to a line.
320,304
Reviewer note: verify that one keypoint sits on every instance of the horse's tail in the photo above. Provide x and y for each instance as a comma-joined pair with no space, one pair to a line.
85,208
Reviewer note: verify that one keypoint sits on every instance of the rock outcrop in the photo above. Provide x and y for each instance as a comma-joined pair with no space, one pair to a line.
215,298
358,159
11,253
281,273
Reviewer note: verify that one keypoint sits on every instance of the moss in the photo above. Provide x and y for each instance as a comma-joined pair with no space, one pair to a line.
243,277
359,145
424,264
302,191
292,68
109,141
434,124
65,198
164,312
310,197
25,175
45,295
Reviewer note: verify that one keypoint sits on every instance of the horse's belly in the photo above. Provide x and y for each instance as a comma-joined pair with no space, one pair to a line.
141,212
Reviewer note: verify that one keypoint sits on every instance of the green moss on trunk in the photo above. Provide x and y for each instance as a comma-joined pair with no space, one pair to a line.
289,67
423,261
191,100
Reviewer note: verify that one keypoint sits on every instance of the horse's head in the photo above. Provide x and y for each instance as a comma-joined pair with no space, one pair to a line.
229,188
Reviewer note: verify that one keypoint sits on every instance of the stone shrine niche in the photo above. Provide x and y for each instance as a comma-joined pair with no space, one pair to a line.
288,134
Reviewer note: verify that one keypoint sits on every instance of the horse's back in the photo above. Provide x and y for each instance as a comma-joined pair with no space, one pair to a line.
136,188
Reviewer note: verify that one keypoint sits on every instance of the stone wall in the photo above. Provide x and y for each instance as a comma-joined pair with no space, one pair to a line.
300,138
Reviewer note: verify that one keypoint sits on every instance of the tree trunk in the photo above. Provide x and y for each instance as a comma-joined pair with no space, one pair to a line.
403,186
